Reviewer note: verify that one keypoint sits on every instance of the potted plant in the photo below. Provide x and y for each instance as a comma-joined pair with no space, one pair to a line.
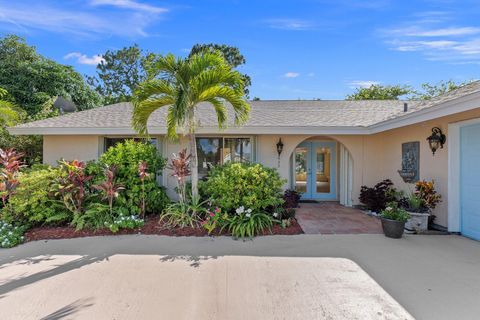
393,220
419,213
420,205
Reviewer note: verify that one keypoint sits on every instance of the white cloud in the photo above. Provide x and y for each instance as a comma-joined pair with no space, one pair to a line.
291,74
129,4
310,74
363,83
290,24
84,59
26,15
441,32
435,35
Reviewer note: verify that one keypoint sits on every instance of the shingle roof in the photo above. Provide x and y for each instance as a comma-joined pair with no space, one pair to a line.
279,113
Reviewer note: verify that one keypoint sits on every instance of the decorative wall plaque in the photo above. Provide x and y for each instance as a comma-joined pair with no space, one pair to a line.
410,172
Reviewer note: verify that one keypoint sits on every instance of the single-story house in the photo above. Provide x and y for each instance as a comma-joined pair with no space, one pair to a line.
330,148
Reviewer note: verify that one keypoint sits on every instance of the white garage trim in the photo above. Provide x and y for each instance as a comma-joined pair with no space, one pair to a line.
454,212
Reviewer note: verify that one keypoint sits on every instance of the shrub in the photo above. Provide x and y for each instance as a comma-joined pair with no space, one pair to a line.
376,198
184,214
214,219
248,224
291,198
425,190
71,185
127,156
393,212
238,184
33,201
10,236
10,164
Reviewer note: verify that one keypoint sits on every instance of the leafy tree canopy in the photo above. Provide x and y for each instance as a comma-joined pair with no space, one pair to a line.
395,92
433,90
32,79
379,92
231,54
120,72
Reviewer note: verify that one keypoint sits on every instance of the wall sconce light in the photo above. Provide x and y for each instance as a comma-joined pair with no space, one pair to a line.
279,147
436,140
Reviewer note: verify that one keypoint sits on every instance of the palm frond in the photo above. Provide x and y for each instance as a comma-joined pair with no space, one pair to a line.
153,87
171,124
143,109
232,96
220,110
205,60
216,76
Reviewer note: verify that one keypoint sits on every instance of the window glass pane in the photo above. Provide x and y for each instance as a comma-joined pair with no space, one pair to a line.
237,150
208,153
322,177
301,167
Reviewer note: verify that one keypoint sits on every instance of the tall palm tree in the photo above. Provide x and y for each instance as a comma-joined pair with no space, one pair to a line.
180,84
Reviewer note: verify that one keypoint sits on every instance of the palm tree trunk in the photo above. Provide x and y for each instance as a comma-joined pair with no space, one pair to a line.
194,164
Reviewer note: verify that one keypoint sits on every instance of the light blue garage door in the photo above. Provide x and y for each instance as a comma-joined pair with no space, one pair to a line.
470,180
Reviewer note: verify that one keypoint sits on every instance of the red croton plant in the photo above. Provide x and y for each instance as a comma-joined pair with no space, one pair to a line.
109,188
72,186
180,165
143,174
11,163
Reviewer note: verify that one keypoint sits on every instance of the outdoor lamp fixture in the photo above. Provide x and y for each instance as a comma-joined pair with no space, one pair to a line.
279,147
436,140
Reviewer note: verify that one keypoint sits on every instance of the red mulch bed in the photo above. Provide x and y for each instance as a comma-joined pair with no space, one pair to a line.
151,227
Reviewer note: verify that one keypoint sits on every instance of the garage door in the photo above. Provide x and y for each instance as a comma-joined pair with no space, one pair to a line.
470,180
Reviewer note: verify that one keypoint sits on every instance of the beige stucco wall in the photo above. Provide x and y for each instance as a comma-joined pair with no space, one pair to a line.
431,167
70,148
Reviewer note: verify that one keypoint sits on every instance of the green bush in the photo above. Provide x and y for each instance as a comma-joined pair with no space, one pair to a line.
127,156
33,202
252,186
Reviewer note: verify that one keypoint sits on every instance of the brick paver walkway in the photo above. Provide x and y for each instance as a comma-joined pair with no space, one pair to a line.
332,218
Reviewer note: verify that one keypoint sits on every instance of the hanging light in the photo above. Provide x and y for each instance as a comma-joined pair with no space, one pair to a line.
436,140
279,147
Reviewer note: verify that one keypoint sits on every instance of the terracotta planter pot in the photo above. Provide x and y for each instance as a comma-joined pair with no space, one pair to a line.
393,228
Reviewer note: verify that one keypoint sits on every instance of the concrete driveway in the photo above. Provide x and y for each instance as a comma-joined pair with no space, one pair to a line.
277,277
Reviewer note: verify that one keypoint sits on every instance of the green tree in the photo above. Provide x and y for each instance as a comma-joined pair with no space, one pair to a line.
180,84
120,72
231,54
32,80
379,92
9,113
433,90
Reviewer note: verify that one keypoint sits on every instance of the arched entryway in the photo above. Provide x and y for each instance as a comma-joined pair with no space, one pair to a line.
322,169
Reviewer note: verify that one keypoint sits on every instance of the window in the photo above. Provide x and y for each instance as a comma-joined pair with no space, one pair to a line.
110,142
217,150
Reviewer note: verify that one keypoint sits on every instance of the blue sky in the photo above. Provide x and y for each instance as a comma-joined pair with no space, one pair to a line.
294,49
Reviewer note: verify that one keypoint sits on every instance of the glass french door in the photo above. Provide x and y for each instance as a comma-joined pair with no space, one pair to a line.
315,170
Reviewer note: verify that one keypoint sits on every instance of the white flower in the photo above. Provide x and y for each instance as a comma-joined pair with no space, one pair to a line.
275,214
249,210
389,208
248,215
240,210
